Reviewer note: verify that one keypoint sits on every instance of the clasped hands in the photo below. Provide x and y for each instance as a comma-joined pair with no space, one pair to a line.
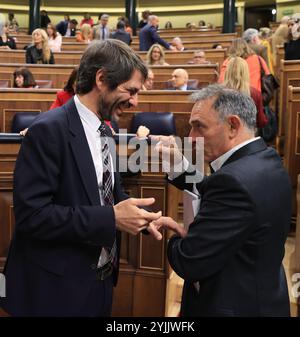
133,219
129,214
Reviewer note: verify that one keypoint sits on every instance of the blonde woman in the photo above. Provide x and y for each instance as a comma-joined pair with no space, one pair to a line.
240,48
39,51
156,56
237,77
265,38
85,34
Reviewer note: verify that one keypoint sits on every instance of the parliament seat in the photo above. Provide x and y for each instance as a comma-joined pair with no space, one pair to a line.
159,123
22,120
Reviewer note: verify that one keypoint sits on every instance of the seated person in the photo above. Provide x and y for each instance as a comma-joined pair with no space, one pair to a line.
39,51
68,92
148,84
180,79
23,78
156,56
177,43
85,34
217,46
55,39
6,42
199,58
67,28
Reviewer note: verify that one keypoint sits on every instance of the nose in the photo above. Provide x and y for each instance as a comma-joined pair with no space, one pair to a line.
134,100
193,135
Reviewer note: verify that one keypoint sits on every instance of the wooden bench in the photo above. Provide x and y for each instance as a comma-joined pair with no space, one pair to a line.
18,56
292,138
39,100
289,75
68,57
212,55
59,74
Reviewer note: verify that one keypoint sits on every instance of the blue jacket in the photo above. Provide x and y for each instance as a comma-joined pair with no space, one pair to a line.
148,36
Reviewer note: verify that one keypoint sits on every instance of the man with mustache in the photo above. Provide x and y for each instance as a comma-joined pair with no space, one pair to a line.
68,201
231,255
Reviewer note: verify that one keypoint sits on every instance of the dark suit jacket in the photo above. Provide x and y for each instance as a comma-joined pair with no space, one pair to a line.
60,226
235,245
148,36
62,28
122,36
292,50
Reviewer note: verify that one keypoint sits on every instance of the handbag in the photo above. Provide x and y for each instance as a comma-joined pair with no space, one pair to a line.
268,85
269,131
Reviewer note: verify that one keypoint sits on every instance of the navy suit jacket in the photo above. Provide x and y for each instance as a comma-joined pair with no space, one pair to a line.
235,246
62,28
60,226
148,36
122,36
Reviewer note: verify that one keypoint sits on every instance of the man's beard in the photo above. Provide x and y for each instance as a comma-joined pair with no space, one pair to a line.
106,110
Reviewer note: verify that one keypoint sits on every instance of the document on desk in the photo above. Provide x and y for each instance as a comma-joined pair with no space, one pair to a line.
191,205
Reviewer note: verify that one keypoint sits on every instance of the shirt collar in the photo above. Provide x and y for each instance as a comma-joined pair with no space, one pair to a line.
183,87
87,115
218,163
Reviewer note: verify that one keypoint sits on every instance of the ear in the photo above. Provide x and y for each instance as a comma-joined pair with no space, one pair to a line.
99,80
234,124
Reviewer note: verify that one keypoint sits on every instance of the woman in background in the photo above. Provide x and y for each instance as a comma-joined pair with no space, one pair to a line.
255,63
39,51
55,39
68,92
23,78
85,34
6,42
156,56
237,77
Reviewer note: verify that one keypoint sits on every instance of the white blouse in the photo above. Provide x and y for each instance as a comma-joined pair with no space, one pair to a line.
55,44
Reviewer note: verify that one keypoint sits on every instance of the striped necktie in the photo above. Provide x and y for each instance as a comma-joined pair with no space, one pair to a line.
107,188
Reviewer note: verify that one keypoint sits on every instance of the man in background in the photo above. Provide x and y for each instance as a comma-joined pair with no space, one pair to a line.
148,35
67,28
120,33
102,31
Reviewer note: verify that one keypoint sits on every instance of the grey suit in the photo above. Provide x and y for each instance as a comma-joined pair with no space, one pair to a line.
97,32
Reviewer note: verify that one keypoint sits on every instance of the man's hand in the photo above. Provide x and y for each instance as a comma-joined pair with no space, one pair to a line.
132,219
168,149
168,222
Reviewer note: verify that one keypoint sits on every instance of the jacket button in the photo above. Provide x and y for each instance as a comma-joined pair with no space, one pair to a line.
93,266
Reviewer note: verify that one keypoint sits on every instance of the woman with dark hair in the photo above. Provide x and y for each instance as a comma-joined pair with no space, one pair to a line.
168,25
68,92
144,21
23,78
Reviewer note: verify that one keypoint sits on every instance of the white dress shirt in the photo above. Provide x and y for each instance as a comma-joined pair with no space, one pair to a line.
91,124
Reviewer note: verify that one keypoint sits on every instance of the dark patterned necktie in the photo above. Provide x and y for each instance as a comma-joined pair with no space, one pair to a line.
103,33
107,188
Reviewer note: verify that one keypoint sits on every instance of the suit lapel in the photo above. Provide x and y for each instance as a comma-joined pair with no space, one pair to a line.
82,154
255,146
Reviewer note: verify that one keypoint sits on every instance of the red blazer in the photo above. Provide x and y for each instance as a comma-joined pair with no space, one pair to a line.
62,97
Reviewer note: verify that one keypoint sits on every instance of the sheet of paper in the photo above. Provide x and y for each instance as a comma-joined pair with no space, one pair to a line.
191,204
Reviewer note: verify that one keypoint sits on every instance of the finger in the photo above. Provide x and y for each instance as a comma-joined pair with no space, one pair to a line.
142,201
151,216
152,230
166,222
